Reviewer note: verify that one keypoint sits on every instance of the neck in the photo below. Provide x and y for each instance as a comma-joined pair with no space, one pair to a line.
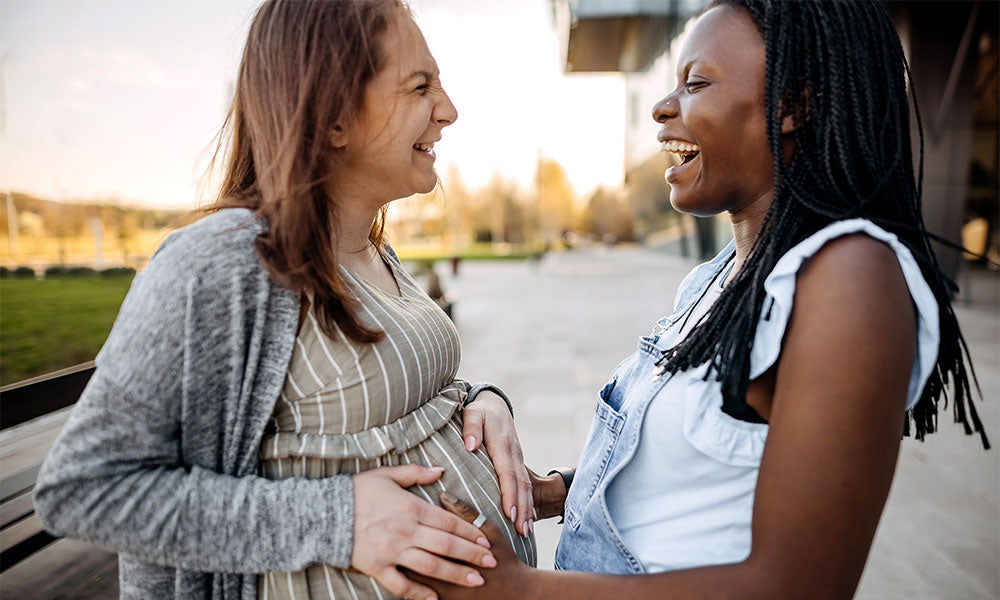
354,227
747,221
354,220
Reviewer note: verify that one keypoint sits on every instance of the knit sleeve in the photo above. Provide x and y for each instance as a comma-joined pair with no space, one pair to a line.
118,475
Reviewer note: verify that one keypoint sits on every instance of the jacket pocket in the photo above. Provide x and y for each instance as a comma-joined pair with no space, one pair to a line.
612,394
604,432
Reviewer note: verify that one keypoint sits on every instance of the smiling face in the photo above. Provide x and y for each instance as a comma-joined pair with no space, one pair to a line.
715,120
387,152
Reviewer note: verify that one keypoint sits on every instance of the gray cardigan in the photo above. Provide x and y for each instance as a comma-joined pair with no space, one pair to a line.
159,458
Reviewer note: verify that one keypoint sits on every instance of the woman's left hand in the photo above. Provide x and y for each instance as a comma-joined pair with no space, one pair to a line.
488,421
511,578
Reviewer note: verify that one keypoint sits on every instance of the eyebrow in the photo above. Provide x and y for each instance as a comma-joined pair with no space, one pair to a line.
686,67
425,74
706,65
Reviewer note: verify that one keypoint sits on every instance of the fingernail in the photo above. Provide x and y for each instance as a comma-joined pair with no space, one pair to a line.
513,513
534,513
475,578
432,598
438,469
470,443
531,526
485,543
489,561
449,497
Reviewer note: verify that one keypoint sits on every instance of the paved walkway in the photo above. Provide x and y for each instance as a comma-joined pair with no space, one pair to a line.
551,334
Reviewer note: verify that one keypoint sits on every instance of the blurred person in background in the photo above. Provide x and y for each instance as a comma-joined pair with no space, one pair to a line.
747,448
276,410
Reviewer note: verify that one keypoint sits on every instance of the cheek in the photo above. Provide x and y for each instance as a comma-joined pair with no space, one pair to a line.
736,141
753,125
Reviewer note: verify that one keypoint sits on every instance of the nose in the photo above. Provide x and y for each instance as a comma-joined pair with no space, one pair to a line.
665,109
445,112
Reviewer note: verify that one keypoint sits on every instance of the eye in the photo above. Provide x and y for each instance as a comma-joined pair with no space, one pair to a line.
423,89
694,86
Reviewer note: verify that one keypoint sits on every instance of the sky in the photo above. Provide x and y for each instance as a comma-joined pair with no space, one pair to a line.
121,99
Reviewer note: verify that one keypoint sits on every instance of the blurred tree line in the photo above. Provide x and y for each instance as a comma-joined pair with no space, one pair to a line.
540,216
25,219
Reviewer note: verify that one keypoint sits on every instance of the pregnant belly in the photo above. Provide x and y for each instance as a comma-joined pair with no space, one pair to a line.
430,435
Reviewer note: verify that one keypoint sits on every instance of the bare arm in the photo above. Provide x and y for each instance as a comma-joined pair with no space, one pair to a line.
835,424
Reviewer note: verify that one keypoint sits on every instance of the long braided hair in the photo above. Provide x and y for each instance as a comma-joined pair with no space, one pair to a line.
838,68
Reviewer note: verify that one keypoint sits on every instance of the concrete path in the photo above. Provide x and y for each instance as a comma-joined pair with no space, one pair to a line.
552,332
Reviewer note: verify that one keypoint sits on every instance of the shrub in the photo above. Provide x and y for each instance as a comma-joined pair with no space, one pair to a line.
118,272
24,272
4,272
60,271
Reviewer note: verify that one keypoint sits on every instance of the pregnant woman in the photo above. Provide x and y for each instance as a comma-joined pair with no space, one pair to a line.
276,411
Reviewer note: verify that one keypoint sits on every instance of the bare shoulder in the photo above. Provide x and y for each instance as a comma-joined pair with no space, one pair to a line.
854,272
852,312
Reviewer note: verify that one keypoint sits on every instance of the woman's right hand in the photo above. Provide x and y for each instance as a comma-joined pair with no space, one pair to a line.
394,528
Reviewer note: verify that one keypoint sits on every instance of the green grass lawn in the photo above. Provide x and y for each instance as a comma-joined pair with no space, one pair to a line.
55,323
63,321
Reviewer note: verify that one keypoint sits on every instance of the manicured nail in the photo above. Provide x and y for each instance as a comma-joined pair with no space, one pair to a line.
449,497
485,543
489,561
534,513
432,597
438,469
470,443
531,526
475,578
513,514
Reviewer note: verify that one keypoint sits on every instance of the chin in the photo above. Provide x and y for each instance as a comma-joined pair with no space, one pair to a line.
426,187
690,204
422,189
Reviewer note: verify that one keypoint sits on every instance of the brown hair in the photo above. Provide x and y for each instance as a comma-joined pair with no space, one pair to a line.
304,69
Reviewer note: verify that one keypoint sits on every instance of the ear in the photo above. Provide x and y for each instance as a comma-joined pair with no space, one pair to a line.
788,122
338,136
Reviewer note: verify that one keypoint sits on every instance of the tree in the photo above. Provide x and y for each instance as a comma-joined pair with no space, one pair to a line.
609,212
458,207
555,203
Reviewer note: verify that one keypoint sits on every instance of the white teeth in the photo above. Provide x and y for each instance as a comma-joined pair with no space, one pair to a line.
678,147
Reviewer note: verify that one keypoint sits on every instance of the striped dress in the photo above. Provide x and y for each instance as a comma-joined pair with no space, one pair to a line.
346,407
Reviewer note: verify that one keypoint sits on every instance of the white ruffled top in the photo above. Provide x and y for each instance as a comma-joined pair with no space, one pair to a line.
685,498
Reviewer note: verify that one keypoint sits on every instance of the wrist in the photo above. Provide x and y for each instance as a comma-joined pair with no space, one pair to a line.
475,390
489,400
551,495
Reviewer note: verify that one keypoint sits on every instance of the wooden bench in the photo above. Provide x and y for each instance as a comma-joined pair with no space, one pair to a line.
32,413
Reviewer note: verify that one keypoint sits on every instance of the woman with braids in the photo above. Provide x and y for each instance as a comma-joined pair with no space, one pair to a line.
276,409
747,448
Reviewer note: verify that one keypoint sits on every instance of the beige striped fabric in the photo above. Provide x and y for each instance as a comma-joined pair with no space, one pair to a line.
347,407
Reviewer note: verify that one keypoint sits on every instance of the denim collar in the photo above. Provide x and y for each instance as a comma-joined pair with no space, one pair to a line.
695,283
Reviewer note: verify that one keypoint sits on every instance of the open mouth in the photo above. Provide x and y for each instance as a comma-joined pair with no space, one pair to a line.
684,151
426,148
